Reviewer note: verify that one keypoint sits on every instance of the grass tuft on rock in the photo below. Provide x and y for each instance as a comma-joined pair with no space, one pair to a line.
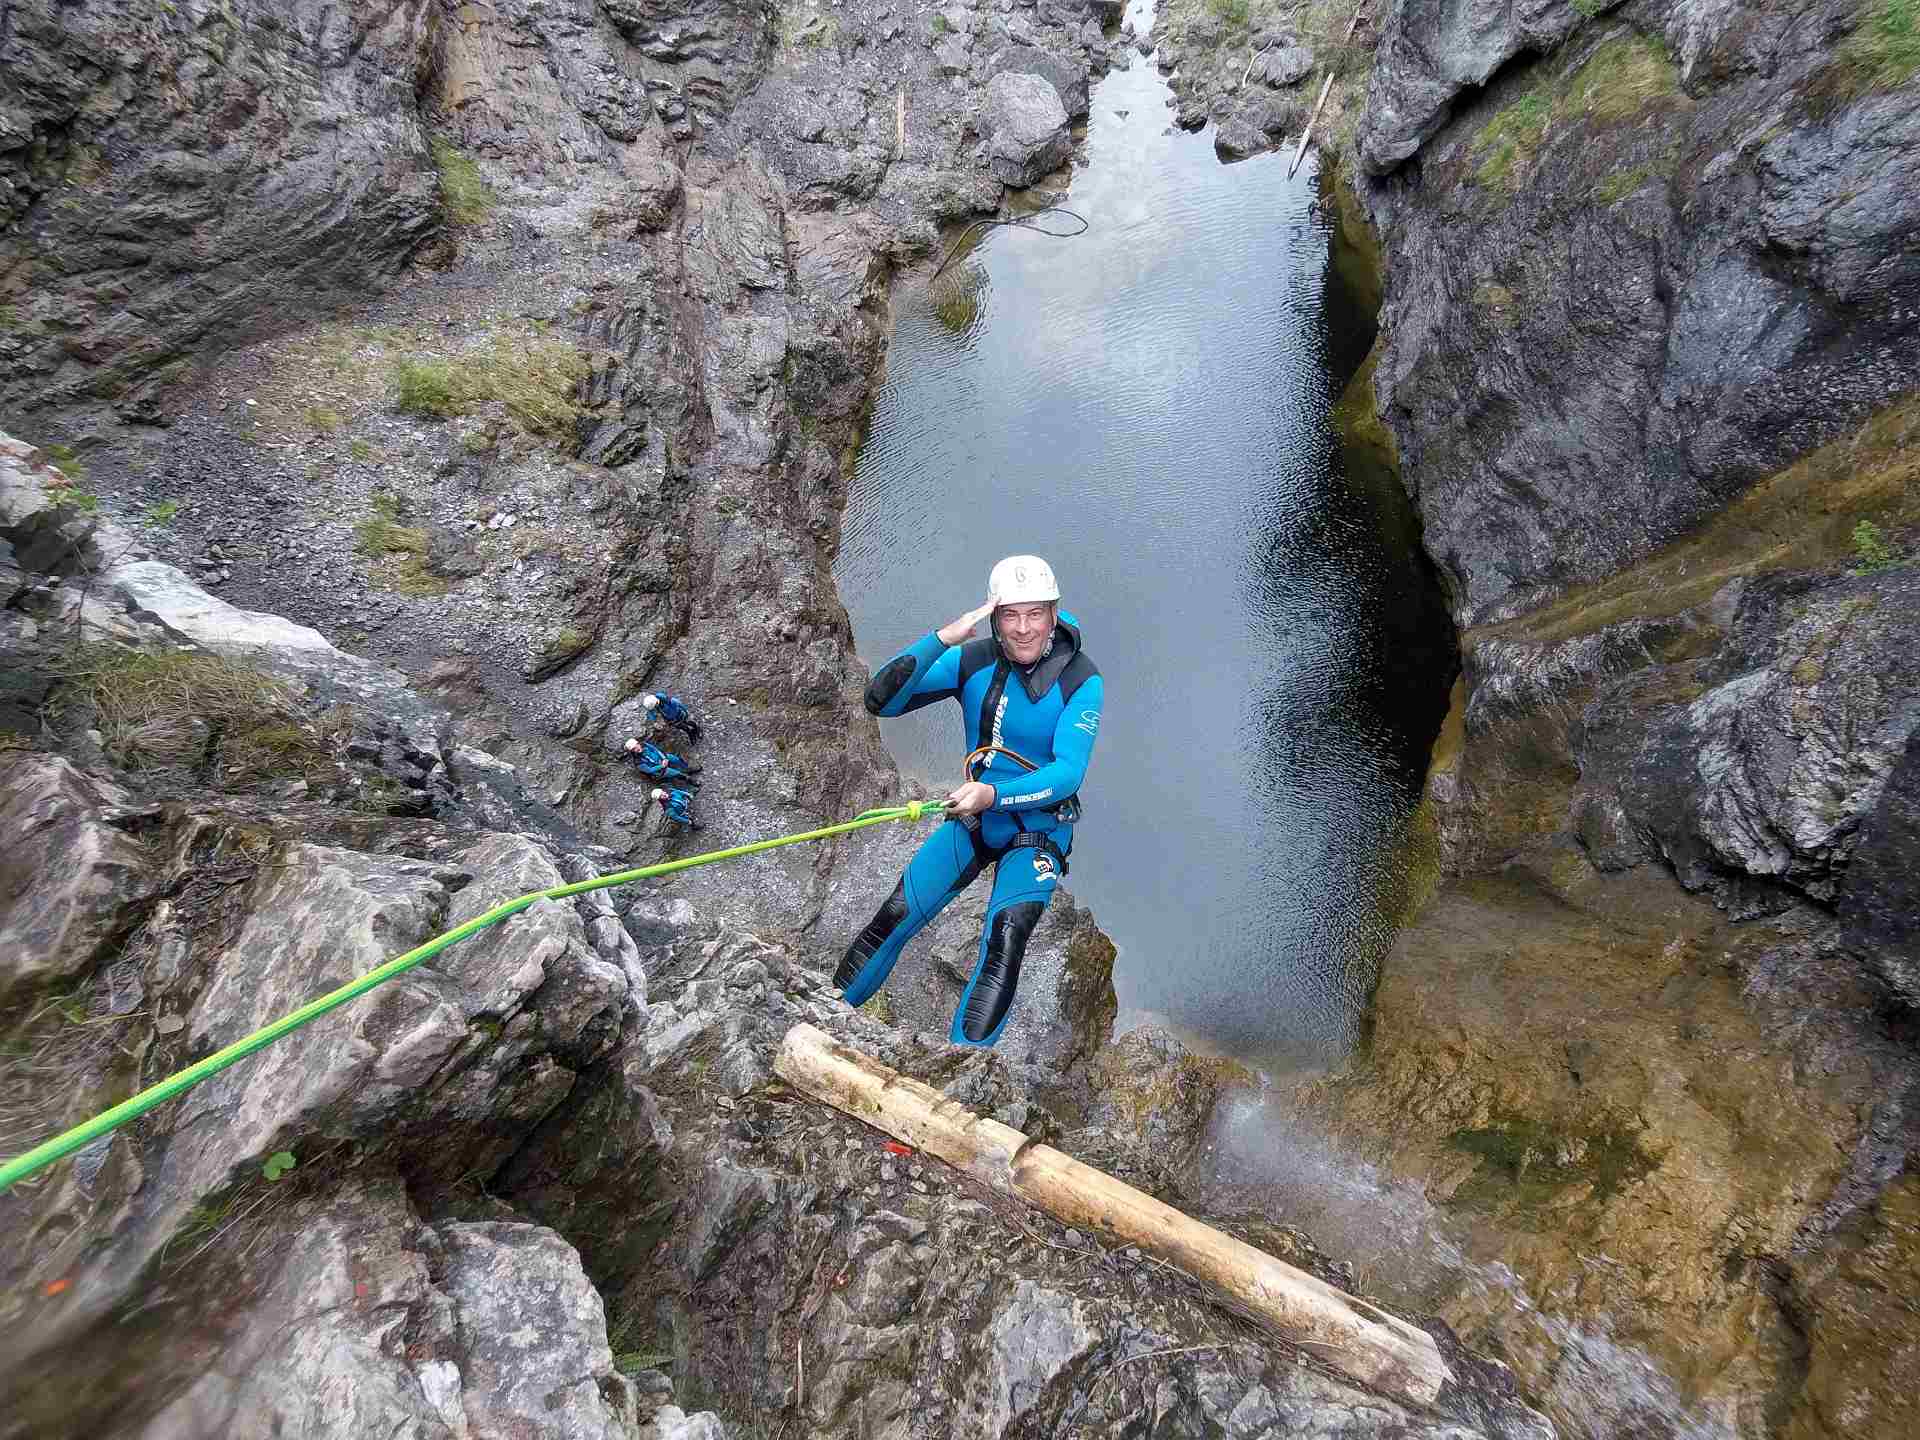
466,197
1618,81
397,552
186,708
1881,54
534,378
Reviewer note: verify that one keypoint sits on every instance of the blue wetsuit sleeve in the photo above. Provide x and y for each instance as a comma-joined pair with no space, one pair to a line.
1073,737
925,672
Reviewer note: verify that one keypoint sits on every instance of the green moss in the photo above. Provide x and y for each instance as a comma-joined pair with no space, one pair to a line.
465,196
1798,518
565,643
1617,82
1525,1163
1622,183
162,512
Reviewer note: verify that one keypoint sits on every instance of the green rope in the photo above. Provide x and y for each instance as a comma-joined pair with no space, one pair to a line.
62,1145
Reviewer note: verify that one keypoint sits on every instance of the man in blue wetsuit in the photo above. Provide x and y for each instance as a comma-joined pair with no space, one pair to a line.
1027,687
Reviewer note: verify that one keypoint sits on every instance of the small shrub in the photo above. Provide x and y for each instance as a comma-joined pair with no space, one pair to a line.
66,461
1590,8
323,419
162,512
1230,12
426,387
1871,552
360,450
939,24
72,497
466,197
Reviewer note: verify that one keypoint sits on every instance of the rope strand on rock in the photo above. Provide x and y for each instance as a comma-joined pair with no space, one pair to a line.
84,1134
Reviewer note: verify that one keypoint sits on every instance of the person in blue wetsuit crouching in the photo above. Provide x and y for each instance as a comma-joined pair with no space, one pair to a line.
1028,687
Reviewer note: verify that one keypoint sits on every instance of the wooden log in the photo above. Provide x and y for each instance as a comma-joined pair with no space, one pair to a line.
1358,1339
1307,134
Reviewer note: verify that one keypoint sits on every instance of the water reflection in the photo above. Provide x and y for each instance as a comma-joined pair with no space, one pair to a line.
1148,406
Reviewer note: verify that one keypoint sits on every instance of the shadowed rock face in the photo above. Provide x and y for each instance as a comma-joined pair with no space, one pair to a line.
1630,277
171,179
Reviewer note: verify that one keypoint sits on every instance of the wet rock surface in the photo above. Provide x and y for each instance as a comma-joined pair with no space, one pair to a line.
1692,262
1661,438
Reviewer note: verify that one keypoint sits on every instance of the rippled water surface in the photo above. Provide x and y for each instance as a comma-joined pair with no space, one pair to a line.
1147,406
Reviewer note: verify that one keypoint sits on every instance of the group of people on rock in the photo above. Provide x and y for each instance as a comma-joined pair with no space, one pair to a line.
675,796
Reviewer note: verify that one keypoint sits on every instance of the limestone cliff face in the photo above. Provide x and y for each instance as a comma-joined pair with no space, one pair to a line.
1649,351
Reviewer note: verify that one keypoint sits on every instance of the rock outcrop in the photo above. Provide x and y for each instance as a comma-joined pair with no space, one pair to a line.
173,181
1648,354
1695,263
351,1229
1028,126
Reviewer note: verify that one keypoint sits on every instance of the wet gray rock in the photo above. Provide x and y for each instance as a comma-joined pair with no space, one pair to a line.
73,882
1880,905
377,1324
532,1336
1069,75
1027,128
1432,50
1573,385
1283,65
1758,787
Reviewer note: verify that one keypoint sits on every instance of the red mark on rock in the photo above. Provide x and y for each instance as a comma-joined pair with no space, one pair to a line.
894,1147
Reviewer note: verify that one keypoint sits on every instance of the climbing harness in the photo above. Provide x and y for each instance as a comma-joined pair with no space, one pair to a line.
1066,812
43,1155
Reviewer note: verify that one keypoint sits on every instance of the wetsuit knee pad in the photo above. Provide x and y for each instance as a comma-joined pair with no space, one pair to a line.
864,968
989,995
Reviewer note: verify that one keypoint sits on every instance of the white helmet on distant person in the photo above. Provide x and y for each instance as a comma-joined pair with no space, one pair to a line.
650,702
659,794
1020,580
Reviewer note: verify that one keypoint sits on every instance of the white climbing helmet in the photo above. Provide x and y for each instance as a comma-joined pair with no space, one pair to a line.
659,794
1020,579
650,702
